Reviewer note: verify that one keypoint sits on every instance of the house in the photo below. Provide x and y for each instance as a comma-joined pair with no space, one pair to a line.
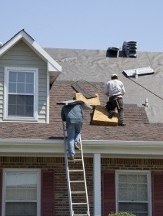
124,165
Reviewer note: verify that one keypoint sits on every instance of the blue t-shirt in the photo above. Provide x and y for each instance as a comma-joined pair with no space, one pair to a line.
72,114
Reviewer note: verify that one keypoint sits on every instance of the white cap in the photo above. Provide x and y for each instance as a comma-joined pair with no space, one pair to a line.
114,75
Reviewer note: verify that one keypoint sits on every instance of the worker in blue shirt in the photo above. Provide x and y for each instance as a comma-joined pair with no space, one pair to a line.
73,115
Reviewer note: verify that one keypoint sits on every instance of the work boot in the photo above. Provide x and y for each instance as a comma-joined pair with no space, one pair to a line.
77,147
121,124
111,114
71,157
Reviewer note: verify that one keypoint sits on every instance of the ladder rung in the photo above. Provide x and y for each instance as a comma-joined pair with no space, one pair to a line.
75,160
78,192
81,214
77,181
75,170
79,203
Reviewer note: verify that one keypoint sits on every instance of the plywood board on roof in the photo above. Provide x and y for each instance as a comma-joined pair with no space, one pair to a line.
73,102
100,117
92,101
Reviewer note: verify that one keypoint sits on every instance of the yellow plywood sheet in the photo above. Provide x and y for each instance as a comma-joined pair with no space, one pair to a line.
100,117
92,101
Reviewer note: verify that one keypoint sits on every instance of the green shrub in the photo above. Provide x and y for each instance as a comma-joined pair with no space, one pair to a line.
121,214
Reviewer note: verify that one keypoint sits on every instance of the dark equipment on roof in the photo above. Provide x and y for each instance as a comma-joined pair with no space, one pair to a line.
129,49
112,52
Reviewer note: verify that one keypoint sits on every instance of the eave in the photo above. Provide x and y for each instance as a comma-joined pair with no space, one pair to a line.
107,149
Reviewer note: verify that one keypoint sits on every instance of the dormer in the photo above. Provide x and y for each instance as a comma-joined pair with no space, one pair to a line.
26,72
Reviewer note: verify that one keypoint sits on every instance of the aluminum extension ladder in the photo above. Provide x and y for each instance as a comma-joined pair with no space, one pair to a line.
76,181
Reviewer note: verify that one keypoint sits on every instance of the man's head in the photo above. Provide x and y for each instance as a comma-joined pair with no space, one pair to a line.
114,76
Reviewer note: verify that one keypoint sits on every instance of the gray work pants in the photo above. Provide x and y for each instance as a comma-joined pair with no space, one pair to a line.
116,102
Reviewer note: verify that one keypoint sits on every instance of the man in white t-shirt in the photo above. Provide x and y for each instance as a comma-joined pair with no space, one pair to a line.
115,90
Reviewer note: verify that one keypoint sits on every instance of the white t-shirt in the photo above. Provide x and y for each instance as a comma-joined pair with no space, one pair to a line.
114,87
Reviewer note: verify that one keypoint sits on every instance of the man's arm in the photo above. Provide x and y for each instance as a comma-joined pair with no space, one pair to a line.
123,90
63,114
82,111
106,90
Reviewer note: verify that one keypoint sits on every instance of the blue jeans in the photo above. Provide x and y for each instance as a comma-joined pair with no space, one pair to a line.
73,135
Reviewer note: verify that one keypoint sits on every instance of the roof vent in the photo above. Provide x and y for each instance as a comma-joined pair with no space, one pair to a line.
129,48
138,72
112,52
146,102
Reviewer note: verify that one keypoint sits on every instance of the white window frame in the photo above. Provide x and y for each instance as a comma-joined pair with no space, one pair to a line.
38,171
137,172
6,87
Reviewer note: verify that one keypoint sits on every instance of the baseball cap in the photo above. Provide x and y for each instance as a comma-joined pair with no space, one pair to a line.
114,76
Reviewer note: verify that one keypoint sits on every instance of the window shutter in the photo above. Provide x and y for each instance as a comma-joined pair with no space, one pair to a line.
157,186
108,188
47,193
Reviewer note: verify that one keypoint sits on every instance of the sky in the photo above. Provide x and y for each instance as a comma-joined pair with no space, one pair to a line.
85,24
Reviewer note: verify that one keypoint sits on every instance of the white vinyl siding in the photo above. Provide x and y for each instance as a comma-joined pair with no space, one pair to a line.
133,192
21,192
22,56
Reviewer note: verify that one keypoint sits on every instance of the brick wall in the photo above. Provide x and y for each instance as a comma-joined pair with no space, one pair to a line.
109,165
137,164
53,173
54,185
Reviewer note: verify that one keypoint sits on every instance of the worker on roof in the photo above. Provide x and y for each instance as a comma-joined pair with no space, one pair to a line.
115,90
73,115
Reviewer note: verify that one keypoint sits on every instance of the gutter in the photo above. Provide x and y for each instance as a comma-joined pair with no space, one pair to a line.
106,148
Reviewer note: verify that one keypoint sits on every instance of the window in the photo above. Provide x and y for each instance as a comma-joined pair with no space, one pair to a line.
133,192
21,193
20,101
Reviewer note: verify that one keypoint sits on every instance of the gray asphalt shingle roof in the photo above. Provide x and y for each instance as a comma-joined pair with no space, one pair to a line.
92,68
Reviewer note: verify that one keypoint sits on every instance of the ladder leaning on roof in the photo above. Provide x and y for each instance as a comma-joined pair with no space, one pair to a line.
76,181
